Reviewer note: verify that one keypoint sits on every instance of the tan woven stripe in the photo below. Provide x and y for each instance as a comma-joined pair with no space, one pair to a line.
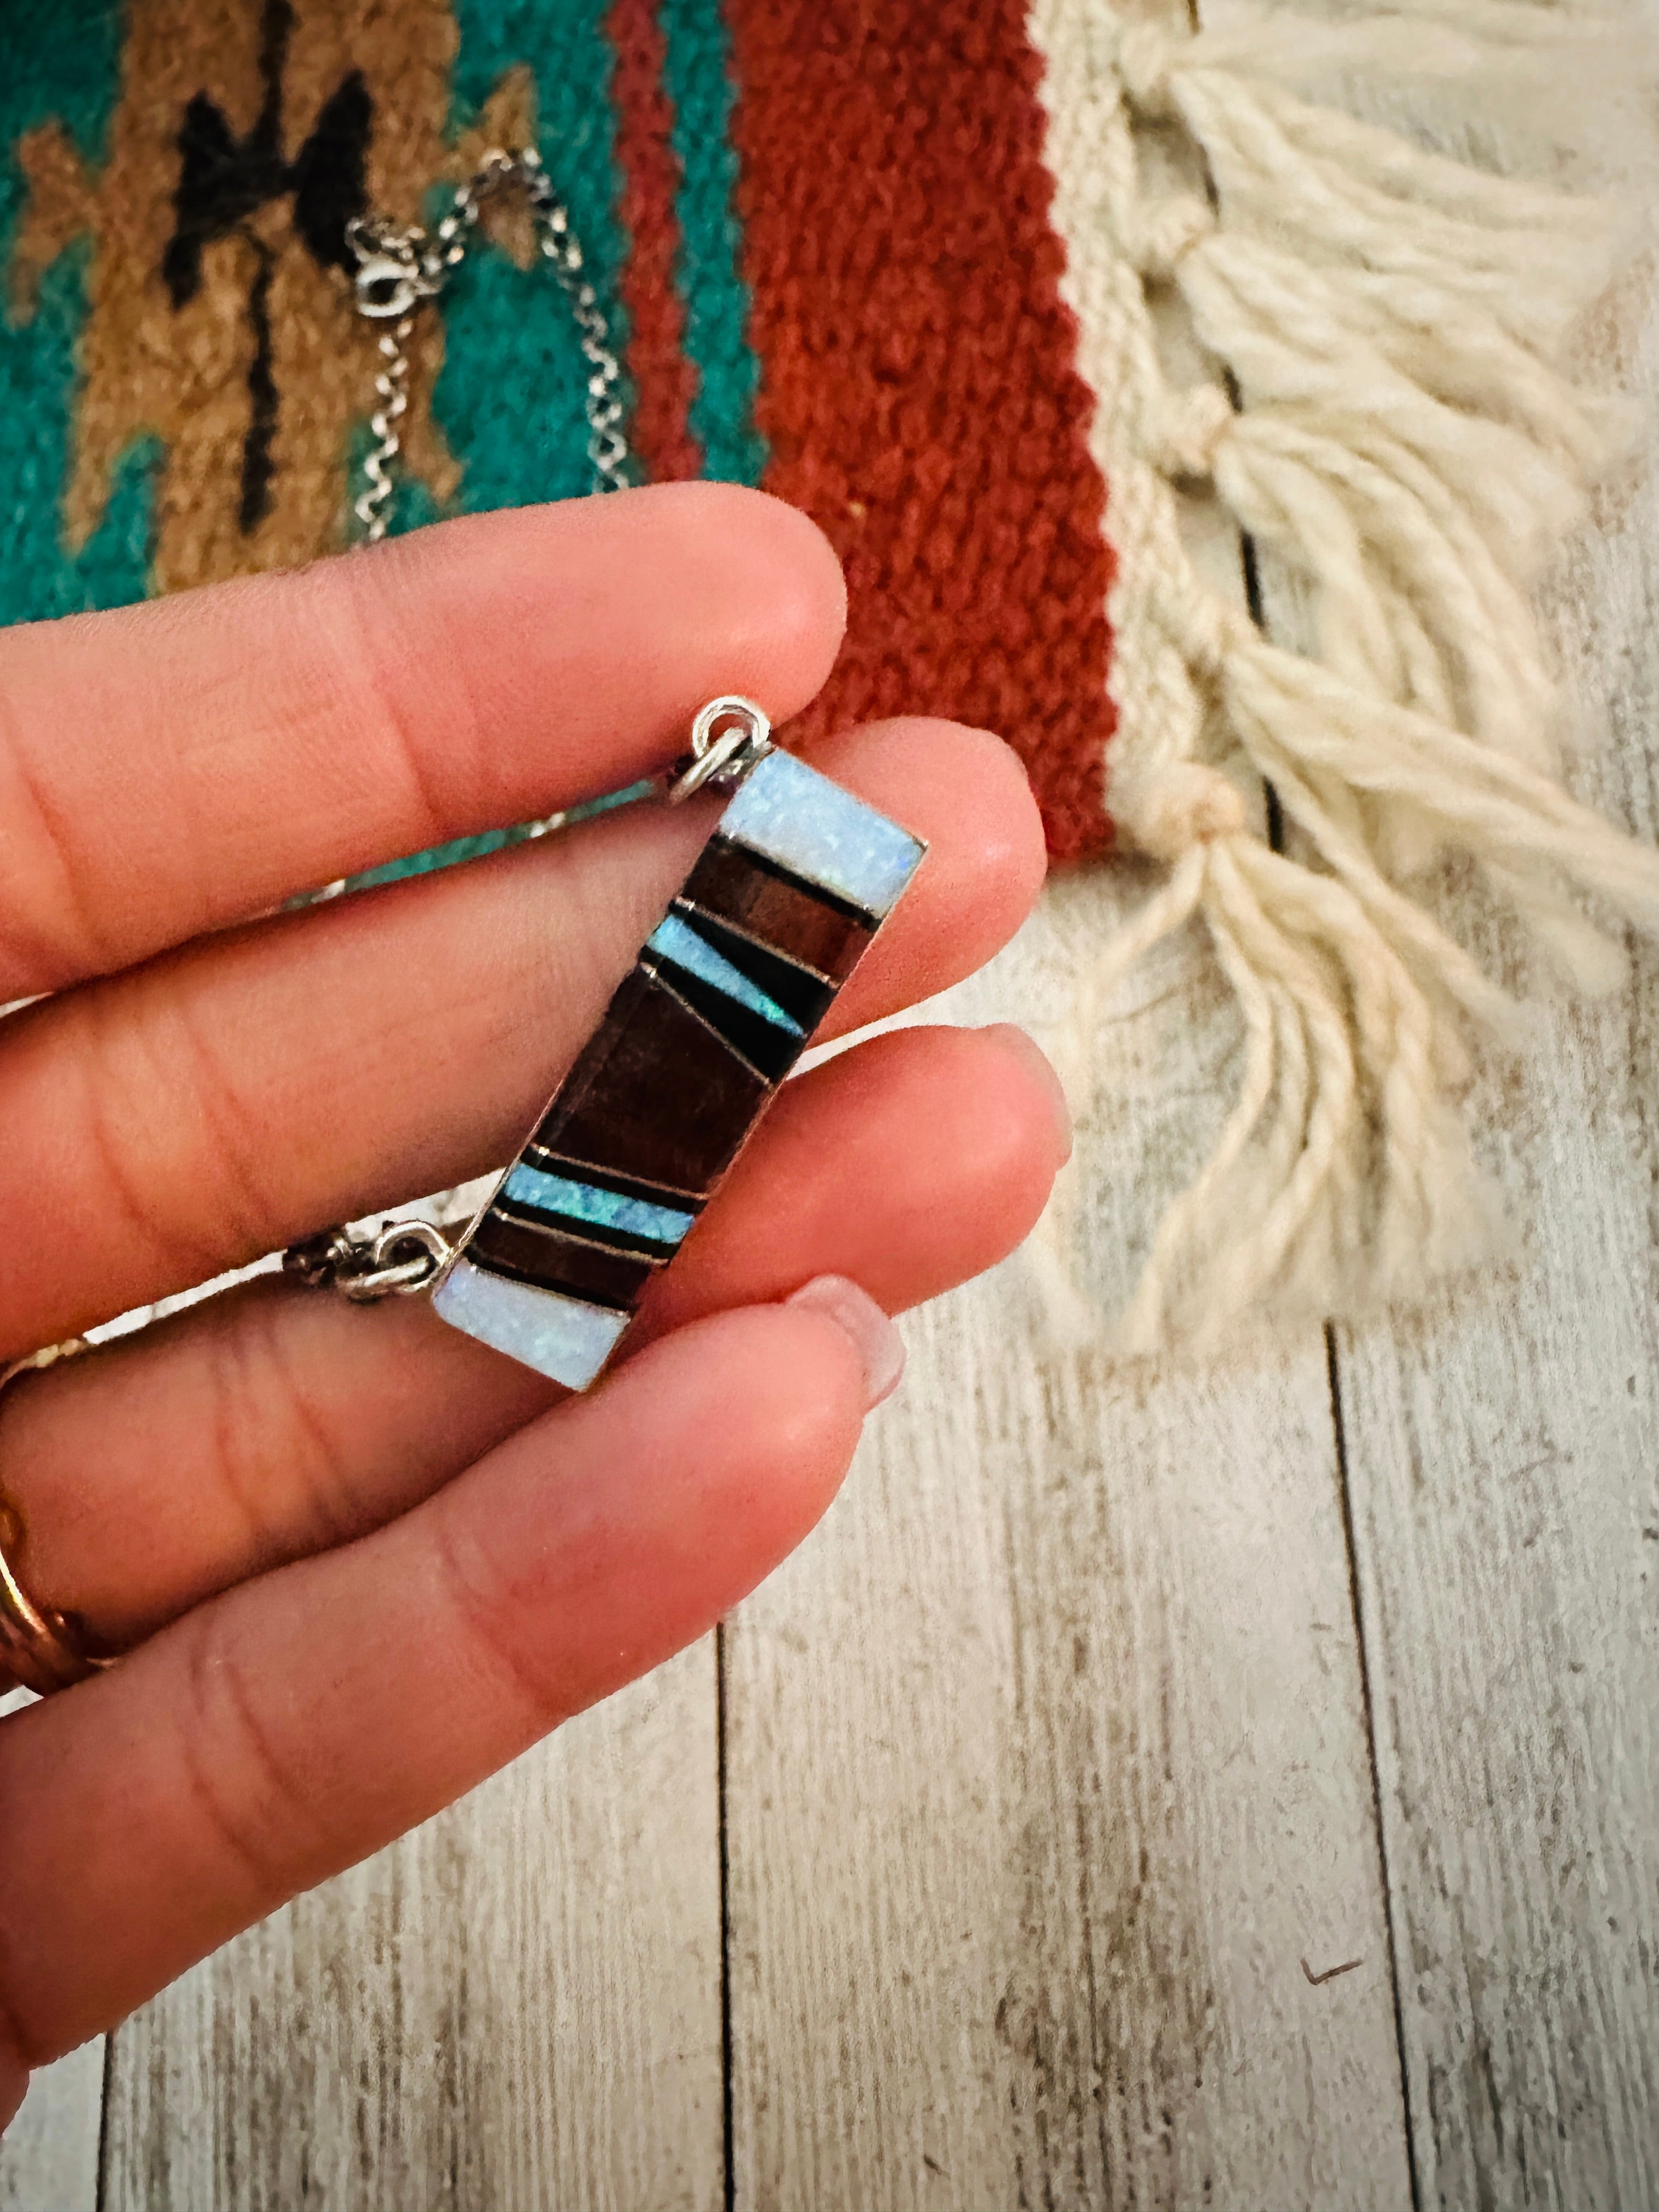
182,373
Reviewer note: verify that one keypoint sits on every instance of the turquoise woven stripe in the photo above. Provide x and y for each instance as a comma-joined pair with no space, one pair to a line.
697,73
62,64
510,395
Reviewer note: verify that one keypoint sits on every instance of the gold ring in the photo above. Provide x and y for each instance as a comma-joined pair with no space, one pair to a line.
45,1652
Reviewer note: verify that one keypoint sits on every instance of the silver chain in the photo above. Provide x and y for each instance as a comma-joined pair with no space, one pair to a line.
398,272
399,269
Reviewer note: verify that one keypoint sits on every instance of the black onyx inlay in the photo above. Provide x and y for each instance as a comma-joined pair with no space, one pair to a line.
800,921
804,995
558,1261
657,1095
765,1045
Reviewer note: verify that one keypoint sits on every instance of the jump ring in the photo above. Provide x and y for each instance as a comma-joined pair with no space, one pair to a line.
745,737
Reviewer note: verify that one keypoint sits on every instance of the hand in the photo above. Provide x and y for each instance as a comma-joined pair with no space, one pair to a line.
358,1561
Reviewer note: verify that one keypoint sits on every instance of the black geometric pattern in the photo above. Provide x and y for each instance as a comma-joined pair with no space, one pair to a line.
223,180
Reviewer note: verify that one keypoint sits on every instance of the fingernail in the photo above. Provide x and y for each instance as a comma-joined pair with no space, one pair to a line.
879,1346
1027,1049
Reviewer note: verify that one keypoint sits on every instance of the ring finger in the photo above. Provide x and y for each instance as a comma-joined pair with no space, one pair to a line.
270,1424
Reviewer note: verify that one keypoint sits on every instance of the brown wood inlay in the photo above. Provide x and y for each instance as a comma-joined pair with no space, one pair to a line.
555,1262
741,888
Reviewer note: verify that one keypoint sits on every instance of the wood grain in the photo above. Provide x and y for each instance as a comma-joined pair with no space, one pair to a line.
517,2006
1504,1456
1046,1762
1049,1761
1501,1453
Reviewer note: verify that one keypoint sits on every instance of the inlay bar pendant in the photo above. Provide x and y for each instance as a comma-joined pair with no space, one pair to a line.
727,993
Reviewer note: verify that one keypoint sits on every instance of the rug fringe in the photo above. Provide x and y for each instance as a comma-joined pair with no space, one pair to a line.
1410,447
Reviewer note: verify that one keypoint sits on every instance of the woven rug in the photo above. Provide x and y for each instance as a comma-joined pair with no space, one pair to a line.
904,263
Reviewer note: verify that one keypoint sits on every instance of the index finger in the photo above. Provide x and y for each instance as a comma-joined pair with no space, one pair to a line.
171,768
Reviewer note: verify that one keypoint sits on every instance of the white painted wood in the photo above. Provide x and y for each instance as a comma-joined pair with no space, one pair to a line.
1503,1462
1046,1763
1504,1456
49,2155
517,2006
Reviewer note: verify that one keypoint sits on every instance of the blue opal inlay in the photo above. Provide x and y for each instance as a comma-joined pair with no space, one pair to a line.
678,941
564,1338
812,827
606,1209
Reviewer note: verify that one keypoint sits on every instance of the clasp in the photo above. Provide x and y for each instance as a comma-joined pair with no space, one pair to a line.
368,1269
392,278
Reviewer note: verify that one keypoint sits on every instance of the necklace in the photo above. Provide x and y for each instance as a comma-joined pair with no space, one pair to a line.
726,991
780,905
399,270
723,999
797,877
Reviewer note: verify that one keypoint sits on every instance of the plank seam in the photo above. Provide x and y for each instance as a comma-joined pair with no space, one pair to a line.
1255,600
729,2182
106,2097
1250,562
1356,1603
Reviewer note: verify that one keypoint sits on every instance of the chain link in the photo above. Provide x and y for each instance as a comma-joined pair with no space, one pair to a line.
399,269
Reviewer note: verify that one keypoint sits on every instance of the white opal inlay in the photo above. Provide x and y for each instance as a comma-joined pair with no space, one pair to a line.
560,1337
799,818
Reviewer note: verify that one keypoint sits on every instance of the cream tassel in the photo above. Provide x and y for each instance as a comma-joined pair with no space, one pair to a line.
1411,450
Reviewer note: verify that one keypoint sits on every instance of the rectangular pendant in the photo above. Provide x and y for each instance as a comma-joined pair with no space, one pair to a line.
724,999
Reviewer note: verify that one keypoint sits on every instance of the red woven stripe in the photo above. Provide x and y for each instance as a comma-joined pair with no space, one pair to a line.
664,380
918,388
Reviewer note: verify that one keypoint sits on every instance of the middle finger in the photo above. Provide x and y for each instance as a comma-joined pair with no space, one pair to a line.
270,1424
233,1097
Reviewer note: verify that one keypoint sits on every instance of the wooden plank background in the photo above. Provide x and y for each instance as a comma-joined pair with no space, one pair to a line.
997,1852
